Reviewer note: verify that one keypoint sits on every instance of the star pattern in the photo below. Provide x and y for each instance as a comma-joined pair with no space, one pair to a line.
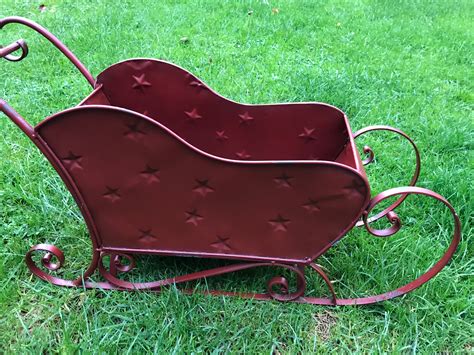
151,174
245,119
311,206
202,187
193,217
73,161
192,115
221,136
222,244
134,132
146,235
140,82
287,187
279,224
243,154
111,194
307,134
284,180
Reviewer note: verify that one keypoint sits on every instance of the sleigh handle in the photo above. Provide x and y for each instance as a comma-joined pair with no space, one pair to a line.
6,51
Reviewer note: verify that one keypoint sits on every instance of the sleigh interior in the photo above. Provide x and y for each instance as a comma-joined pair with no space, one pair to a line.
165,165
159,163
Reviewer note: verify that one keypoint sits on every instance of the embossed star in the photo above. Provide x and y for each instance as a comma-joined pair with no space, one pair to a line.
221,245
73,161
202,187
151,174
312,206
243,154
307,134
146,235
111,194
279,224
221,136
140,82
245,119
193,217
192,115
355,186
283,180
134,131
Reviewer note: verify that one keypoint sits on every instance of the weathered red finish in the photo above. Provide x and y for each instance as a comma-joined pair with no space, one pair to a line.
161,164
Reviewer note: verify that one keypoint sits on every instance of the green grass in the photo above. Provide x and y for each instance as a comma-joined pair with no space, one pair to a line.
406,64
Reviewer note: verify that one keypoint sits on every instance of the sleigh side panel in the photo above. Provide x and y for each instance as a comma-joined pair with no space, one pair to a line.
149,191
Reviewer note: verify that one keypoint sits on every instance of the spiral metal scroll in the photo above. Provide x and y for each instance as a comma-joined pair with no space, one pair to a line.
279,282
53,259
20,44
395,221
368,151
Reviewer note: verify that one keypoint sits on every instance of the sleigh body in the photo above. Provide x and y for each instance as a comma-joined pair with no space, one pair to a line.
161,164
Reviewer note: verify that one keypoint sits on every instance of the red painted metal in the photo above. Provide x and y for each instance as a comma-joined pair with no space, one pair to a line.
370,158
159,163
50,37
20,44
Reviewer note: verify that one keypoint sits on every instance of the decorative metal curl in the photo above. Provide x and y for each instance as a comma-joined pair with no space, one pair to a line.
281,282
370,158
46,261
117,263
50,37
20,44
50,252
368,150
54,253
392,217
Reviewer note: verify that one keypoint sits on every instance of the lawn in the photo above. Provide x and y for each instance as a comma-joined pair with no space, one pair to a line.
405,64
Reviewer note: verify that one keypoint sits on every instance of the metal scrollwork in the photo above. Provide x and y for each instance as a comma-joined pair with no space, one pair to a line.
53,260
283,294
370,158
280,282
20,44
368,151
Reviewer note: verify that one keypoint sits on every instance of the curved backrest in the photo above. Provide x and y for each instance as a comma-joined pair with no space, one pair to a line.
180,101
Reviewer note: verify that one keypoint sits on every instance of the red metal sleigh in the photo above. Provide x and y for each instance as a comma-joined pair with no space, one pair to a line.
158,163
